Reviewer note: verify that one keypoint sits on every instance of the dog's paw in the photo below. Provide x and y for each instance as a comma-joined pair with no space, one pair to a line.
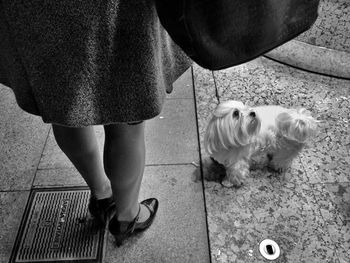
232,182
236,175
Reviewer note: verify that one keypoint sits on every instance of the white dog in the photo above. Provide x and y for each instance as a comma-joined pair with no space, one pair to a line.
237,136
229,137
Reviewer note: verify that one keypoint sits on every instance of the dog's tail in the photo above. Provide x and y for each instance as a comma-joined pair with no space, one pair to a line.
297,125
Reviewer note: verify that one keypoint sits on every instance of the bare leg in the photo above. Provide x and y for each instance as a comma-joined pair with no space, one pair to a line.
80,146
124,162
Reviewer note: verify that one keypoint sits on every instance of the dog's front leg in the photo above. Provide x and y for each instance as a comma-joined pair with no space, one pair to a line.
236,174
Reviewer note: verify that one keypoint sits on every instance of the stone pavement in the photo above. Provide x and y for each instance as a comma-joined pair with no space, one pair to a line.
30,158
306,211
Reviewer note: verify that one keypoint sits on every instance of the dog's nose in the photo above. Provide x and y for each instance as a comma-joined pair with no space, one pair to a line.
252,114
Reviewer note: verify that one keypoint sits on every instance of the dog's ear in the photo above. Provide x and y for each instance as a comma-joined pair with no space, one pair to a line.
210,141
305,126
215,138
221,134
299,130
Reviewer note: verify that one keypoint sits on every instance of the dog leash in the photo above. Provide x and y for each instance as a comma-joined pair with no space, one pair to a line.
216,88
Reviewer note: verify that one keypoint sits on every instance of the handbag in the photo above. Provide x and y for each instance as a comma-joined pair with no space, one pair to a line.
218,34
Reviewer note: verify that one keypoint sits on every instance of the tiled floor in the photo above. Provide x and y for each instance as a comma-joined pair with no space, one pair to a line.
306,211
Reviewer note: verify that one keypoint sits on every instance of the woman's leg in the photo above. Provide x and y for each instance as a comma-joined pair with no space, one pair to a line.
124,162
80,146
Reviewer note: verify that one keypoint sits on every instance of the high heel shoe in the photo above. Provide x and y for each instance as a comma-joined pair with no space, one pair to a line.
101,209
122,230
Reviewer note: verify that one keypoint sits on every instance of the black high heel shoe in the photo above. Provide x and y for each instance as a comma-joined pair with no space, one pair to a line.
123,230
101,209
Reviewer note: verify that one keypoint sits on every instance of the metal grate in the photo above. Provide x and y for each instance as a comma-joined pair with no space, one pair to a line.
56,228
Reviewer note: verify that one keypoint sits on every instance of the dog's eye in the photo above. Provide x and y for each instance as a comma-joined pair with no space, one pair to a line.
235,113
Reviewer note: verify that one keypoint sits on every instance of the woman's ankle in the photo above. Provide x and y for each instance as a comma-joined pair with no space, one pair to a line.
142,215
127,215
104,191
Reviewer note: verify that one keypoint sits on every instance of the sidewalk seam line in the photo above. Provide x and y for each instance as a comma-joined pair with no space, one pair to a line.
151,164
41,155
200,164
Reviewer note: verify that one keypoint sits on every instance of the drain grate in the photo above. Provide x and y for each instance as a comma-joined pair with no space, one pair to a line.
56,228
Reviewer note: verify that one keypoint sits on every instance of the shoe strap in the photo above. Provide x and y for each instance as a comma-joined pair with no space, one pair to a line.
133,223
149,205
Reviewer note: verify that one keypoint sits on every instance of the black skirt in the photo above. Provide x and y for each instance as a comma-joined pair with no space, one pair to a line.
87,62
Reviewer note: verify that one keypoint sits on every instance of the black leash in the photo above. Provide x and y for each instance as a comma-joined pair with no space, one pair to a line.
216,88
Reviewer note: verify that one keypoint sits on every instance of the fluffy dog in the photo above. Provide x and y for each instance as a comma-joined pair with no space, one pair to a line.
229,139
238,136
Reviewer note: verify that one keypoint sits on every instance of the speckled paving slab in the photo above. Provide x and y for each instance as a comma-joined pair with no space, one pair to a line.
303,210
333,200
55,228
332,27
